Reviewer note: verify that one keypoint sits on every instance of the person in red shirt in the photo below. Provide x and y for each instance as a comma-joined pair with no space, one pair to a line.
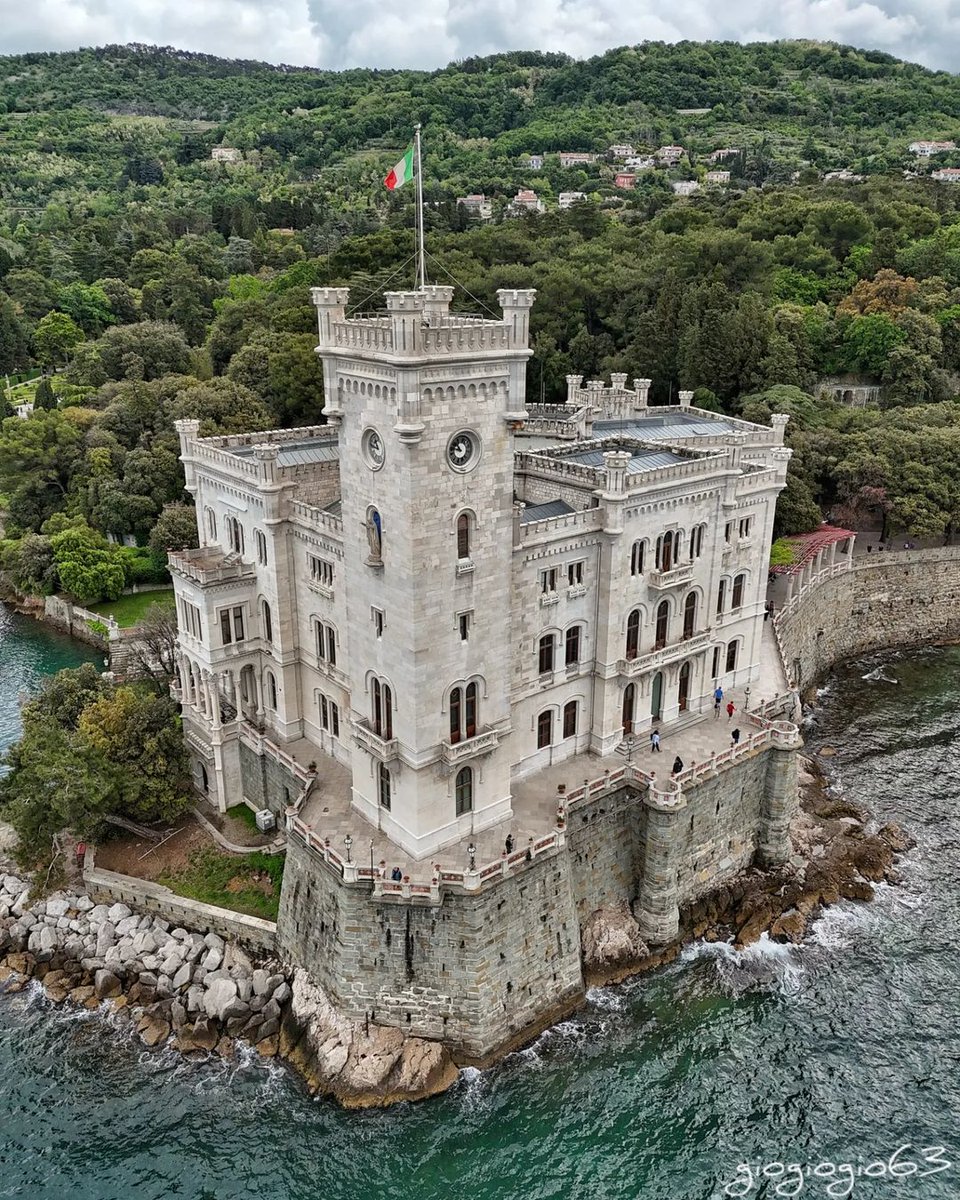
730,709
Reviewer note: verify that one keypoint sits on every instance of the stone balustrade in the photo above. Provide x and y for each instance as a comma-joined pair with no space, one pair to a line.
385,749
662,580
629,667
208,565
455,752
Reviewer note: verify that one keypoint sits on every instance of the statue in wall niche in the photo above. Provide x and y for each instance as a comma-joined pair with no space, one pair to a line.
374,538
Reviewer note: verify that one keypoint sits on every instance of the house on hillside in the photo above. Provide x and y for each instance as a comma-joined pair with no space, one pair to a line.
716,156
226,154
625,179
621,150
535,162
477,206
928,149
575,158
845,175
717,177
946,175
640,162
685,187
669,156
526,200
569,199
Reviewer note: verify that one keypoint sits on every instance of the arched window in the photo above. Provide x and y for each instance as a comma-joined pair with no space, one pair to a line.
732,654
211,522
738,591
633,634
636,558
382,704
261,547
715,668
545,654
721,596
666,551
463,535
271,691
326,643
663,621
572,655
696,541
235,535
545,728
690,615
267,619
570,719
384,786
463,791
464,704
629,703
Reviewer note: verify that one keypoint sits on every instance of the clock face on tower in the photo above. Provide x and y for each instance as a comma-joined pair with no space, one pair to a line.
463,451
373,449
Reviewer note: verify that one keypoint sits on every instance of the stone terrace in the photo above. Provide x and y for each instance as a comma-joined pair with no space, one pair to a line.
695,738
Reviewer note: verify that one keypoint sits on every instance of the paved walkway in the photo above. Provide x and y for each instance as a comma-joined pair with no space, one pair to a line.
328,810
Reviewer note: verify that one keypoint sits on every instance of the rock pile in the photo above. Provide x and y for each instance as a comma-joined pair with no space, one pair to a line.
199,993
195,990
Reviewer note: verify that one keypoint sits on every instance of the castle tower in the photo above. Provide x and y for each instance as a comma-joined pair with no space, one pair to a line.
426,401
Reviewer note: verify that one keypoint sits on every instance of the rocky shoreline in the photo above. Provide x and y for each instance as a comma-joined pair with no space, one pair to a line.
836,857
202,995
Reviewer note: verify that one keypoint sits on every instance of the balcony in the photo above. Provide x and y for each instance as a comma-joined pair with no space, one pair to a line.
655,659
373,743
661,580
453,753
209,565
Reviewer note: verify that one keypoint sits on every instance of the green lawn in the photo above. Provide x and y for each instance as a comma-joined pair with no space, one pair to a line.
129,609
246,883
244,814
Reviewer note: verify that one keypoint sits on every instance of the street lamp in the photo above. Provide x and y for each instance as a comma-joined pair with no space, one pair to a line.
472,851
348,842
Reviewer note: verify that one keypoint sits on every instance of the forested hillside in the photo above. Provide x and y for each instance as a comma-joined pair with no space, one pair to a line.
149,280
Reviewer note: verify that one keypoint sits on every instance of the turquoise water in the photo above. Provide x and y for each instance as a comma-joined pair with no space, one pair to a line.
28,651
666,1089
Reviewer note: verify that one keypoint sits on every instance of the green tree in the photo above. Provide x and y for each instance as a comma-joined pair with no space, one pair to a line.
175,529
44,396
90,569
55,336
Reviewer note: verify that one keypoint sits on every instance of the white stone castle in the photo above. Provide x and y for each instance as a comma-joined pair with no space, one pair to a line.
446,589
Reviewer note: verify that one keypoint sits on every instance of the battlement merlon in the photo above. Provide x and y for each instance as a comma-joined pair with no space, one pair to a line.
420,325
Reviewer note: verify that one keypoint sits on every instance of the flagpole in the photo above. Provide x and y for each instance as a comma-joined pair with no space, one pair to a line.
421,256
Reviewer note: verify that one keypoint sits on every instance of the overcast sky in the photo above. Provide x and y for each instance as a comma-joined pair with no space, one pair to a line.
431,33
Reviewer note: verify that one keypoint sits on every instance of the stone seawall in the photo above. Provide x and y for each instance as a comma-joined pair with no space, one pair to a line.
483,968
903,598
107,887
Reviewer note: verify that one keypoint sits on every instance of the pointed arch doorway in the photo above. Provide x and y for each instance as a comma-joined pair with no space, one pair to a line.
656,697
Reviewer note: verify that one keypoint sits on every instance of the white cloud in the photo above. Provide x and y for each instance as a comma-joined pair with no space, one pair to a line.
430,33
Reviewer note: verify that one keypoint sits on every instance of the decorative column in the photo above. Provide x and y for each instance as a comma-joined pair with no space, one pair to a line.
657,908
781,796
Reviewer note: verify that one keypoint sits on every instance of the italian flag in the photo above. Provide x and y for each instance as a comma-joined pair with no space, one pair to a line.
402,173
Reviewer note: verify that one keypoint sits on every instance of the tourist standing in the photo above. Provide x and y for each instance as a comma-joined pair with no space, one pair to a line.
677,765
717,701
655,740
508,844
735,734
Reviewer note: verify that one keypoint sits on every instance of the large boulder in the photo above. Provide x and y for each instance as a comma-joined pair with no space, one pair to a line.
106,984
218,997
611,937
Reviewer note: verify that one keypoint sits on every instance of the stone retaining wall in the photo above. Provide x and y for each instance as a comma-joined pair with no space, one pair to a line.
901,598
109,887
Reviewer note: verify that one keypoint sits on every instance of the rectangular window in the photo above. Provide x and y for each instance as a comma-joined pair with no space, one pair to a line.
728,531
377,614
321,571
334,719
548,581
464,621
546,654
573,645
575,573
191,620
226,633
324,715
321,642
329,716
238,624
715,670
570,719
331,646
745,525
